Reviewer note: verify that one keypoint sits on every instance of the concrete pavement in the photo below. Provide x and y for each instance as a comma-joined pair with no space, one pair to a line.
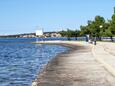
78,68
104,52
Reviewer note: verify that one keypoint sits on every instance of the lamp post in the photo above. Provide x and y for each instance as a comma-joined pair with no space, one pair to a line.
95,40
100,26
95,35
87,37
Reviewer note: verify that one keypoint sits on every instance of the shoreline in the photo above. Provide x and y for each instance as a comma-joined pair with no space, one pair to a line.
77,67
72,47
69,44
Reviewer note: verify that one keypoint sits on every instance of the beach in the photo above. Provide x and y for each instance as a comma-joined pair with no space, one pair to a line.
77,67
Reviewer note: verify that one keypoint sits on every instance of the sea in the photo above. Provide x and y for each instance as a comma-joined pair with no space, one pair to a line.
21,61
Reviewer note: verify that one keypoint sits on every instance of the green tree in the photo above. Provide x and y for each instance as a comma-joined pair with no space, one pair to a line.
84,30
98,26
69,33
104,29
111,29
112,25
63,33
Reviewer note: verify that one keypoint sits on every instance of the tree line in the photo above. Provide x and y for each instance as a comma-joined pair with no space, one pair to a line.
99,27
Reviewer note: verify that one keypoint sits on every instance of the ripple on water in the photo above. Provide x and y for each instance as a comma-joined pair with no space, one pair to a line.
21,62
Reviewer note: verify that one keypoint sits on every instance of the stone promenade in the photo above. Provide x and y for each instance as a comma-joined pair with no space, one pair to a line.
78,67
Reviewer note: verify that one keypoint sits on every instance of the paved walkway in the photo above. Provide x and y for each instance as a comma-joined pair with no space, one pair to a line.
105,53
76,68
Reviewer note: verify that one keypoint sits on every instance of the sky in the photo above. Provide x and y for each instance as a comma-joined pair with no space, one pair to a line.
26,16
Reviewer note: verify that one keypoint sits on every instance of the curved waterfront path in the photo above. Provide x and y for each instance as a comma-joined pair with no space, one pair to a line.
75,68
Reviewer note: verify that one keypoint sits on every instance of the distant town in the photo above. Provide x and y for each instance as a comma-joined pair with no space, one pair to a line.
32,35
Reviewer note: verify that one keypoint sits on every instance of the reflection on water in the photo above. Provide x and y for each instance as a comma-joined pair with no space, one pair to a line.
20,62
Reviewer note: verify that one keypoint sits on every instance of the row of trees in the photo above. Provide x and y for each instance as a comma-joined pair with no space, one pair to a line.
99,27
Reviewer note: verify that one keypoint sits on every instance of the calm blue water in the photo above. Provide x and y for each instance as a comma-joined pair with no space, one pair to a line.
21,61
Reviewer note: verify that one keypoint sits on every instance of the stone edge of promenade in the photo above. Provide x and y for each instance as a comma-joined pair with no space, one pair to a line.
61,42
97,50
81,43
